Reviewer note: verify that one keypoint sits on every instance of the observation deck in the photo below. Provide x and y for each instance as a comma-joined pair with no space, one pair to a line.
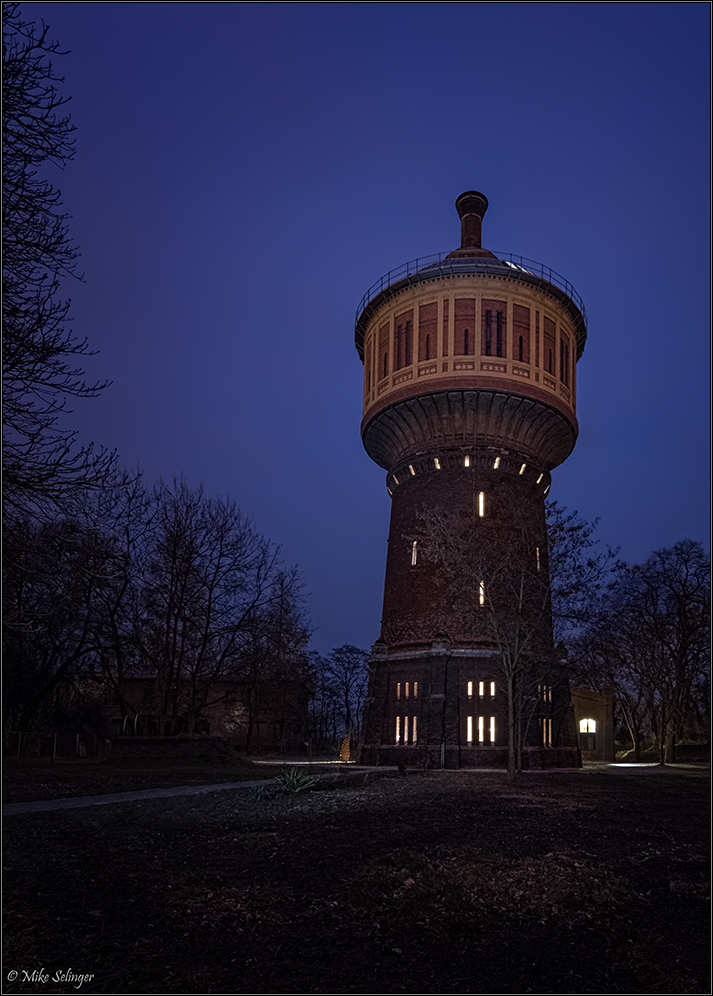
442,266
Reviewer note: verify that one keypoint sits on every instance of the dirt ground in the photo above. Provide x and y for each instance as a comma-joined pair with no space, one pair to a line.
440,882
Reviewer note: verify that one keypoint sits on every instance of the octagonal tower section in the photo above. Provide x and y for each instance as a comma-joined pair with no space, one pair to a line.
469,404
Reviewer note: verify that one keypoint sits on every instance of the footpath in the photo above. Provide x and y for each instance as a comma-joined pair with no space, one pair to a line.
82,801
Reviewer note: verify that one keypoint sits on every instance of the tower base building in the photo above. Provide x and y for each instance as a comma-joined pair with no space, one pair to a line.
469,403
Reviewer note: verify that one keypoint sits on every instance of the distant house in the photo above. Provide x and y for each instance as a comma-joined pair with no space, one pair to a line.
259,717
594,718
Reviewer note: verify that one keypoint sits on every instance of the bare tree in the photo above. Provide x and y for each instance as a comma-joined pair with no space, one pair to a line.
43,467
650,640
215,597
506,588
55,582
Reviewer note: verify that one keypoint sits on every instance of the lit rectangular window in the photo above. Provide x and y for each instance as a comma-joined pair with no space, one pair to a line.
492,729
437,463
470,689
495,465
492,689
481,504
398,689
413,472
481,593
540,478
481,688
481,729
398,729
537,554
522,469
415,689
470,729
466,462
405,729
414,553
413,730
406,689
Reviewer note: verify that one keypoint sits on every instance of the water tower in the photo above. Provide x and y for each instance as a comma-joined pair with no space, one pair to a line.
469,403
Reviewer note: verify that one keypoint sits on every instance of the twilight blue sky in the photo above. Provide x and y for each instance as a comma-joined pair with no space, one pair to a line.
244,171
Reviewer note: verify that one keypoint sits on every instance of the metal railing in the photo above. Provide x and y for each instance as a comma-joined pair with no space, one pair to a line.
415,271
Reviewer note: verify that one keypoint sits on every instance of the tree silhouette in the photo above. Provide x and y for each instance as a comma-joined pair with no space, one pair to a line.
43,466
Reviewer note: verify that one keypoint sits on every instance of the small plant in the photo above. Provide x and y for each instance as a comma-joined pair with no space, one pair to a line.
294,780
258,793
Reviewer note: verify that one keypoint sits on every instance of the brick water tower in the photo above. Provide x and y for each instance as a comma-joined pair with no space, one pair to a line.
469,403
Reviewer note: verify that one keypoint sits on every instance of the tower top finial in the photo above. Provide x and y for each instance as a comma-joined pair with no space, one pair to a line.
471,207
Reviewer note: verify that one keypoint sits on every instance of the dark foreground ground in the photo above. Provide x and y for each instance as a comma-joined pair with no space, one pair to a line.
455,882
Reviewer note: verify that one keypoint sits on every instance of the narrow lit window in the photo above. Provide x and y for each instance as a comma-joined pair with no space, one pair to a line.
549,732
470,689
405,729
437,463
587,726
466,462
396,480
414,553
522,469
481,504
497,463
470,729
413,730
537,554
492,689
481,688
415,689
481,593
540,478
398,689
481,729
413,472
492,729
406,690
398,729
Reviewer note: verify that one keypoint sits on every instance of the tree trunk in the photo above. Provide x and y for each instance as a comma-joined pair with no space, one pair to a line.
512,750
